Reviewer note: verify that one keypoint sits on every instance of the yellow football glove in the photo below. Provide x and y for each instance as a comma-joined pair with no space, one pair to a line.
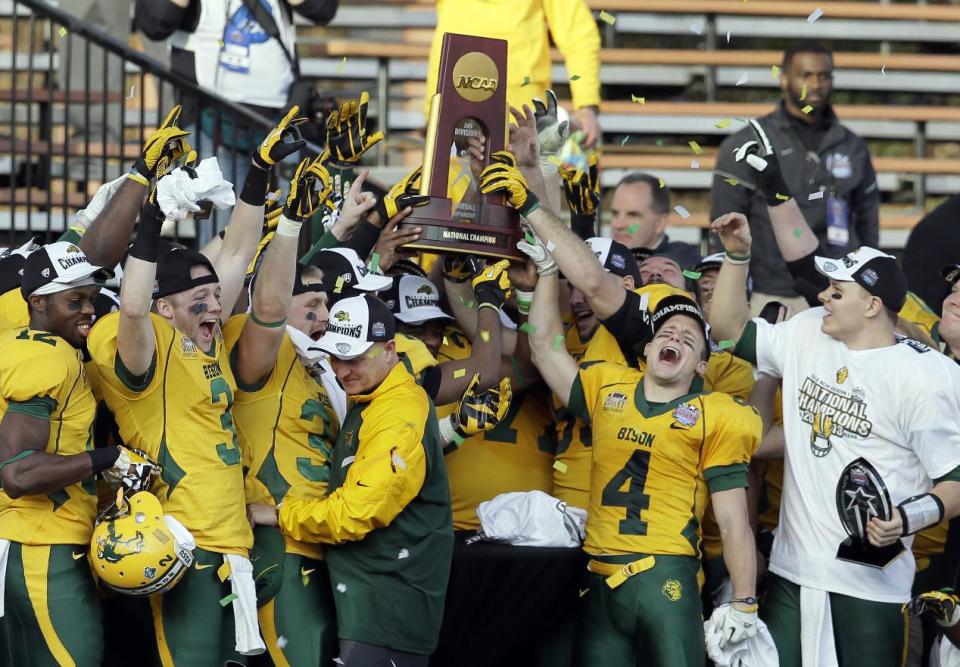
133,471
943,606
347,138
477,411
461,268
502,175
404,193
165,145
283,140
310,188
582,188
492,285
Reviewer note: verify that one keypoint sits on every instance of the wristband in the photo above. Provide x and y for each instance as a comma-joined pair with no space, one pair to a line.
524,300
146,246
288,227
736,259
134,175
488,304
103,458
920,512
255,186
448,432
529,206
268,325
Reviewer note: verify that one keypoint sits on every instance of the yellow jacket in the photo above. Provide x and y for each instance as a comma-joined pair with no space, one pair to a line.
525,24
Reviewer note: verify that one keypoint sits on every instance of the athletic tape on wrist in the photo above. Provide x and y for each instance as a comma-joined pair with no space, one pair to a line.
524,301
288,227
920,512
447,431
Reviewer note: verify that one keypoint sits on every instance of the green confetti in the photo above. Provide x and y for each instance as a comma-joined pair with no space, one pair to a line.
459,373
607,18
339,286
659,142
695,147
528,328
560,466
722,123
724,344
224,601
637,100
575,77
663,184
807,109
485,335
783,197
632,229
526,81
374,263
623,142
62,32
692,275
797,233
343,63
732,181
774,71
558,341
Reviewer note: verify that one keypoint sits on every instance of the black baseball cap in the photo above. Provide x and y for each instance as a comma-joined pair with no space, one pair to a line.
715,261
877,272
615,257
343,267
676,304
355,324
951,273
173,271
57,267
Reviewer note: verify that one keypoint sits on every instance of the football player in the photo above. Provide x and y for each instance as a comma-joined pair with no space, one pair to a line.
170,384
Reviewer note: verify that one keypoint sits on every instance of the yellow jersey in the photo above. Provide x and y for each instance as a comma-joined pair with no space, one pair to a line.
655,465
287,428
13,310
182,416
916,311
43,376
516,455
416,353
571,470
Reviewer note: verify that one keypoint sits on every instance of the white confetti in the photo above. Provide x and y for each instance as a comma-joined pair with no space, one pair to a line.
342,588
339,661
681,211
398,461
728,36
281,642
815,195
404,553
883,71
696,29
694,164
551,246
743,79
132,88
814,15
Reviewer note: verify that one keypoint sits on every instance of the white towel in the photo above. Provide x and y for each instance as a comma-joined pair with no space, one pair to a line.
312,357
817,648
758,651
247,634
949,654
178,193
531,519
4,552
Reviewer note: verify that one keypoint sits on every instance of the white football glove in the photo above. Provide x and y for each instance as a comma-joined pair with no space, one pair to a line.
133,471
735,625
539,255
105,192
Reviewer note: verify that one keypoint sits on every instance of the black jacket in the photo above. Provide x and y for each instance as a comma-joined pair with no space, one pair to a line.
852,178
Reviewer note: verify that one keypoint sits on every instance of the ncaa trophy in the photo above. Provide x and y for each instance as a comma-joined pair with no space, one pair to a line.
862,495
470,102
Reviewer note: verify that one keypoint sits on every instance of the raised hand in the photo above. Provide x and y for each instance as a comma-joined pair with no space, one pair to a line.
281,141
310,188
734,232
582,187
347,137
760,155
503,176
165,145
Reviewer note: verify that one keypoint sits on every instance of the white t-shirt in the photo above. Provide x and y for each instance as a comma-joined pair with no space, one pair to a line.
897,407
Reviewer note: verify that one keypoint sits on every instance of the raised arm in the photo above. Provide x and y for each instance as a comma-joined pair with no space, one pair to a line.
246,222
545,334
604,291
264,330
730,311
136,343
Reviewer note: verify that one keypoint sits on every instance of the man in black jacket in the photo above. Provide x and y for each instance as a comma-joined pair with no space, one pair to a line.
826,166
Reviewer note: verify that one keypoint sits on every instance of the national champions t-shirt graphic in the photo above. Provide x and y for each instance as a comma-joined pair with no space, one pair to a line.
832,411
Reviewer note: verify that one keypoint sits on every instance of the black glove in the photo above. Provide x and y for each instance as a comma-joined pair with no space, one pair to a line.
492,285
347,137
310,188
762,158
404,193
283,140
167,144
461,268
582,188
943,606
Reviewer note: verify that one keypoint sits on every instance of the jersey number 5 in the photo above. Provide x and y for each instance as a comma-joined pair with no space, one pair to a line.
634,476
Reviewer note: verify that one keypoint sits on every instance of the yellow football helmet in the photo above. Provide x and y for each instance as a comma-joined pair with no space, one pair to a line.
135,552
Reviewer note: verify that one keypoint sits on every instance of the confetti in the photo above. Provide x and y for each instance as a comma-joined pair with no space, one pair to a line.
281,642
404,553
459,373
807,109
341,588
774,71
696,29
623,142
782,197
338,661
722,123
695,147
632,229
694,164
692,275
560,466
663,184
343,63
659,142
803,92
637,100
227,599
558,341
132,88
575,77
681,211
584,592
728,36
732,181
743,79
525,82
374,263
528,328
815,195
457,438
62,32
607,18
339,286
724,344
551,246
223,572
797,233
445,342
883,71
814,15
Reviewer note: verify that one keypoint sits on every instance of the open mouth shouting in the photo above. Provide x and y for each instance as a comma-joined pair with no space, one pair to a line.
207,329
670,354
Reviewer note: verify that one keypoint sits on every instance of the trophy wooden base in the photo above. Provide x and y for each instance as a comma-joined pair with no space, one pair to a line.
497,238
861,553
